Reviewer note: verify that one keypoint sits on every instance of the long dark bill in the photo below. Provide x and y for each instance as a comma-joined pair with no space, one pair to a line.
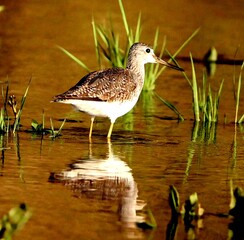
159,60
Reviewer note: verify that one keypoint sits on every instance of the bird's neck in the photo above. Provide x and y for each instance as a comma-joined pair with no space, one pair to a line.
138,70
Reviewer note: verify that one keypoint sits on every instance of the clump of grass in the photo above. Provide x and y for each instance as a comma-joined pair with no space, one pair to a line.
8,124
18,113
205,102
56,133
5,125
39,128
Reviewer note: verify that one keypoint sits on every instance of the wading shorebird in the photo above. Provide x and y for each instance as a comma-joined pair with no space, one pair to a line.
112,92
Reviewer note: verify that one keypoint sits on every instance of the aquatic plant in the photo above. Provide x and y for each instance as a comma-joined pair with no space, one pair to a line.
148,224
56,133
13,221
4,120
191,210
5,125
205,102
238,92
170,106
39,128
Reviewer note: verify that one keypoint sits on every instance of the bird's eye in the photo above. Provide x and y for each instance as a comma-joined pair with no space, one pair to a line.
148,50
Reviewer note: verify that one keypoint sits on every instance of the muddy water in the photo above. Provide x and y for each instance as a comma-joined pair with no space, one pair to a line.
98,187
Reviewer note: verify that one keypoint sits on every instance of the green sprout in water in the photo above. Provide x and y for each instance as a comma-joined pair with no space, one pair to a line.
191,210
13,221
12,102
56,133
151,224
39,128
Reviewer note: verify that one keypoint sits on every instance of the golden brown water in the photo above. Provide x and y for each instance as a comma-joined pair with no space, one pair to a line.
149,151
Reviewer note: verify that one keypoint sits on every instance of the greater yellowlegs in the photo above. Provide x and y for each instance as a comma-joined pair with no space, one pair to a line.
112,92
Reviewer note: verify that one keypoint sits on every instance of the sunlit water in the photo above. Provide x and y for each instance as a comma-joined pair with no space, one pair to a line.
78,190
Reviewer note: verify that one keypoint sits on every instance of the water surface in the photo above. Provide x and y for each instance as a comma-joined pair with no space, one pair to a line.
99,189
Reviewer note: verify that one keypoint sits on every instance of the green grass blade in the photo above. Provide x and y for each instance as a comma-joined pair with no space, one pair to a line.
241,119
170,106
54,133
6,100
61,127
126,25
218,98
43,120
82,64
96,42
186,42
52,127
238,93
195,92
18,116
138,29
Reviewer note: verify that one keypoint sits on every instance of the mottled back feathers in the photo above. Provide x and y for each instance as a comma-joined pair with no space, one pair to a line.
105,85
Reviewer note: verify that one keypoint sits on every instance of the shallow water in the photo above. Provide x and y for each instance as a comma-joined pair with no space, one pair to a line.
78,190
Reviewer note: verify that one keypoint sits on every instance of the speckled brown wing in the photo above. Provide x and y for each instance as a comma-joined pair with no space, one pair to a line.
105,85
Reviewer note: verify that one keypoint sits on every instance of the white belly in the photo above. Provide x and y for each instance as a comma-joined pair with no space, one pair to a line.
112,110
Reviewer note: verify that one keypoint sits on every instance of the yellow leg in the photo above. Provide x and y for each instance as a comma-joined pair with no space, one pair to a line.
110,130
91,126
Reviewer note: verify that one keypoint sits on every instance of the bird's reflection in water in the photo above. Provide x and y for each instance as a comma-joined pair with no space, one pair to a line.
107,178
